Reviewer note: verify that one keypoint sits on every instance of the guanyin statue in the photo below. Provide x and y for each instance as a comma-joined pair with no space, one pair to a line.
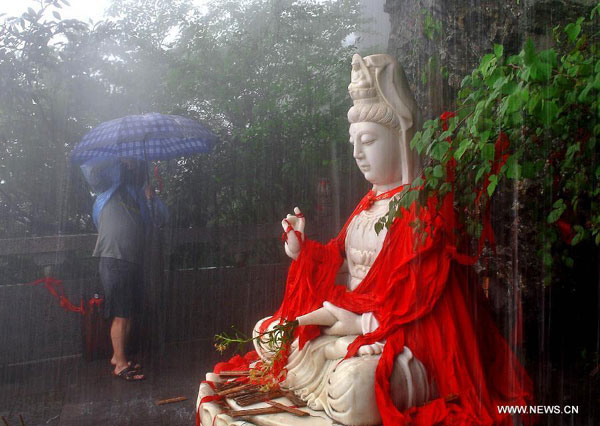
391,331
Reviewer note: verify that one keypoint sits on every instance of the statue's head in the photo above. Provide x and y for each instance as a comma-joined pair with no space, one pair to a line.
383,120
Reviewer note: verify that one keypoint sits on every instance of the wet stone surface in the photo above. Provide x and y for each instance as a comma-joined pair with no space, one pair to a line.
76,392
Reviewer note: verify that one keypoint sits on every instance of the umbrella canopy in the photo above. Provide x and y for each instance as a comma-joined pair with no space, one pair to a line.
151,136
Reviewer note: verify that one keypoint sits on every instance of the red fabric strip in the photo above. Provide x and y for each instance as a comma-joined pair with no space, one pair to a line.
55,288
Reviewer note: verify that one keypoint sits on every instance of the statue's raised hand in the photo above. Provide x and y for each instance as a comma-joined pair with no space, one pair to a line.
293,228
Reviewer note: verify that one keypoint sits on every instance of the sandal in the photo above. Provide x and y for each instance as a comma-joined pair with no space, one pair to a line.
133,364
129,375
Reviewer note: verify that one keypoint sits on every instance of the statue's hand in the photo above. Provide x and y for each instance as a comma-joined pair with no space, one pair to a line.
292,224
348,323
373,349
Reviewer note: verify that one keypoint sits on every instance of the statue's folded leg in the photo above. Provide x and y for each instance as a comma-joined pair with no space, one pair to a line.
345,389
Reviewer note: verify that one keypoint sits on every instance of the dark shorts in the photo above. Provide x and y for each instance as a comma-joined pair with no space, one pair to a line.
122,284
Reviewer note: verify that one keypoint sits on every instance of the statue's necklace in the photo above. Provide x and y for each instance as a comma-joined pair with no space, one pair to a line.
371,198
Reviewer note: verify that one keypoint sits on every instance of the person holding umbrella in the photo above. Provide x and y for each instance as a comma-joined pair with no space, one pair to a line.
121,216
113,158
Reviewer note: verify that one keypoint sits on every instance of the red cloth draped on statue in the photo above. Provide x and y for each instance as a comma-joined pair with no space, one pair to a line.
425,299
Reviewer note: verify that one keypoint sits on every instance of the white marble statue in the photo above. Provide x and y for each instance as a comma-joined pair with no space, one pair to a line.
383,119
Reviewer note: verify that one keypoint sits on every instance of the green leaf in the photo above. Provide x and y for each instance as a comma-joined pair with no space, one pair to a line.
438,172
513,169
488,151
549,56
417,183
579,235
509,88
584,93
528,53
415,141
439,150
547,113
445,188
540,71
493,79
464,144
492,185
549,92
480,173
498,50
559,208
485,135
487,62
515,60
534,103
569,262
573,29
512,103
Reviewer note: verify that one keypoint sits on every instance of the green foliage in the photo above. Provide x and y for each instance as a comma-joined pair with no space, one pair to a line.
273,77
45,82
432,27
545,106
269,77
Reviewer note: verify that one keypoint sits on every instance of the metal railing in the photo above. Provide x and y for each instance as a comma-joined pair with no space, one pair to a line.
197,299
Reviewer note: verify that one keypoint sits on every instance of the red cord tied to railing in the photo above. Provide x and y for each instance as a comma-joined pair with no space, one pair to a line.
56,289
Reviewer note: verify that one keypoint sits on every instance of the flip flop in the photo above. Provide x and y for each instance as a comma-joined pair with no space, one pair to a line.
129,375
133,364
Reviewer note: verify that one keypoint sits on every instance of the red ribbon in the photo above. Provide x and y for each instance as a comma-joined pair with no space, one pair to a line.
501,155
56,289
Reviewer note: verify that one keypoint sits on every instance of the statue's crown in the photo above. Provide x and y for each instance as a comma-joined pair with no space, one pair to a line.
362,83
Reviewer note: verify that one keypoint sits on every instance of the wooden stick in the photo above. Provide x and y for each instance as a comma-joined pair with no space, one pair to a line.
253,399
255,411
5,421
236,389
171,400
228,385
234,373
287,408
21,420
294,399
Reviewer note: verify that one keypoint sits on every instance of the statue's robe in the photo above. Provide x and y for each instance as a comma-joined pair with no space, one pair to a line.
425,298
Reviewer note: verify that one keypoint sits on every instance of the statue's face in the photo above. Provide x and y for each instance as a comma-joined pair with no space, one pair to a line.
377,152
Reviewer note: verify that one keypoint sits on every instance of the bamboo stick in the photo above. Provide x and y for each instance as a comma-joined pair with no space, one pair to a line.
287,408
294,399
234,373
227,385
255,411
236,389
171,400
253,399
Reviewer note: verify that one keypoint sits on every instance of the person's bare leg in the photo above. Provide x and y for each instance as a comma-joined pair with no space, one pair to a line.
113,360
119,333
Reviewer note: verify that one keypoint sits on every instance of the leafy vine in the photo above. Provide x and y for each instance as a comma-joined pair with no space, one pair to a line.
538,110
